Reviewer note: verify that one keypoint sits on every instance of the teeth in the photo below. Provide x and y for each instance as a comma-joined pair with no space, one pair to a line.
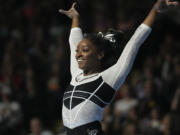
79,60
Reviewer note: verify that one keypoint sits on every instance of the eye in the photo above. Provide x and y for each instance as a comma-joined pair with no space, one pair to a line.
77,50
85,49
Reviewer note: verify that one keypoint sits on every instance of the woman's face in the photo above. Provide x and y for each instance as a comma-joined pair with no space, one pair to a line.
88,57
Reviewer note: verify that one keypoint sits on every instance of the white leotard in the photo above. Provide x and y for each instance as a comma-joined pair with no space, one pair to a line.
86,97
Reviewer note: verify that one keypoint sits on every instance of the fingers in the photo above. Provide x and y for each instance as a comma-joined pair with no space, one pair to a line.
73,5
63,11
71,12
168,3
175,3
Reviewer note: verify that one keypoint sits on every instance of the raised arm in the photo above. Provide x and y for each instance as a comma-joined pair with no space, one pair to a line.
73,14
75,36
159,7
116,75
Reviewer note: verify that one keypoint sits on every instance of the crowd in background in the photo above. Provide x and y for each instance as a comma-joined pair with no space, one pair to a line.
34,67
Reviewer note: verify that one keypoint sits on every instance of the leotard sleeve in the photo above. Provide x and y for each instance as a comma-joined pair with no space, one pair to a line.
75,37
116,75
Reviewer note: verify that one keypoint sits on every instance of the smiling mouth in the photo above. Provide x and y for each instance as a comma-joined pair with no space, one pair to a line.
79,60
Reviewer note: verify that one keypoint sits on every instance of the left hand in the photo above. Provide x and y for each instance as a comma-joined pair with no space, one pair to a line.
162,5
71,13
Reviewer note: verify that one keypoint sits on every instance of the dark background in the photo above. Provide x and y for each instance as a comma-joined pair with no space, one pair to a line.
34,65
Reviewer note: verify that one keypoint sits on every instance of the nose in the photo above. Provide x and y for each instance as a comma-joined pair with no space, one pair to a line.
78,54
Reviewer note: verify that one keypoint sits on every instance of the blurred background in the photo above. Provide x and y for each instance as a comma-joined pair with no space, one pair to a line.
34,67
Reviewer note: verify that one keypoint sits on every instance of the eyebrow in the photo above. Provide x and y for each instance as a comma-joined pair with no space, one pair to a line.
83,45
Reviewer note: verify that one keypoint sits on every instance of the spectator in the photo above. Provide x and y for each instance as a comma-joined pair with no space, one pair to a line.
37,129
127,102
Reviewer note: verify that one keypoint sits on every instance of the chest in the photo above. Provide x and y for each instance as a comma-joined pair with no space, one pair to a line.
96,91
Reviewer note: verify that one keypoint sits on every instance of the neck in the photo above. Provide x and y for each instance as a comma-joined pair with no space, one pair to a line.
90,72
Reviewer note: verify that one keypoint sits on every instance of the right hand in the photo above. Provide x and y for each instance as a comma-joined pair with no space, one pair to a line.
163,5
71,13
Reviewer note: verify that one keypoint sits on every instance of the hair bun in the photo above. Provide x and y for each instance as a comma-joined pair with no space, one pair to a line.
109,37
118,36
113,36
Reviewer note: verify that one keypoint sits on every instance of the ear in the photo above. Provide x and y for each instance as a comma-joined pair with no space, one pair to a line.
100,55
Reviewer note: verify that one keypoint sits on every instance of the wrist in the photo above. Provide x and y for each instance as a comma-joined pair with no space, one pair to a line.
156,7
76,16
75,21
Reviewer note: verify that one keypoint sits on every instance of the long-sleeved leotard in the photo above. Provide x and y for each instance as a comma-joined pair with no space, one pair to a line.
86,97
